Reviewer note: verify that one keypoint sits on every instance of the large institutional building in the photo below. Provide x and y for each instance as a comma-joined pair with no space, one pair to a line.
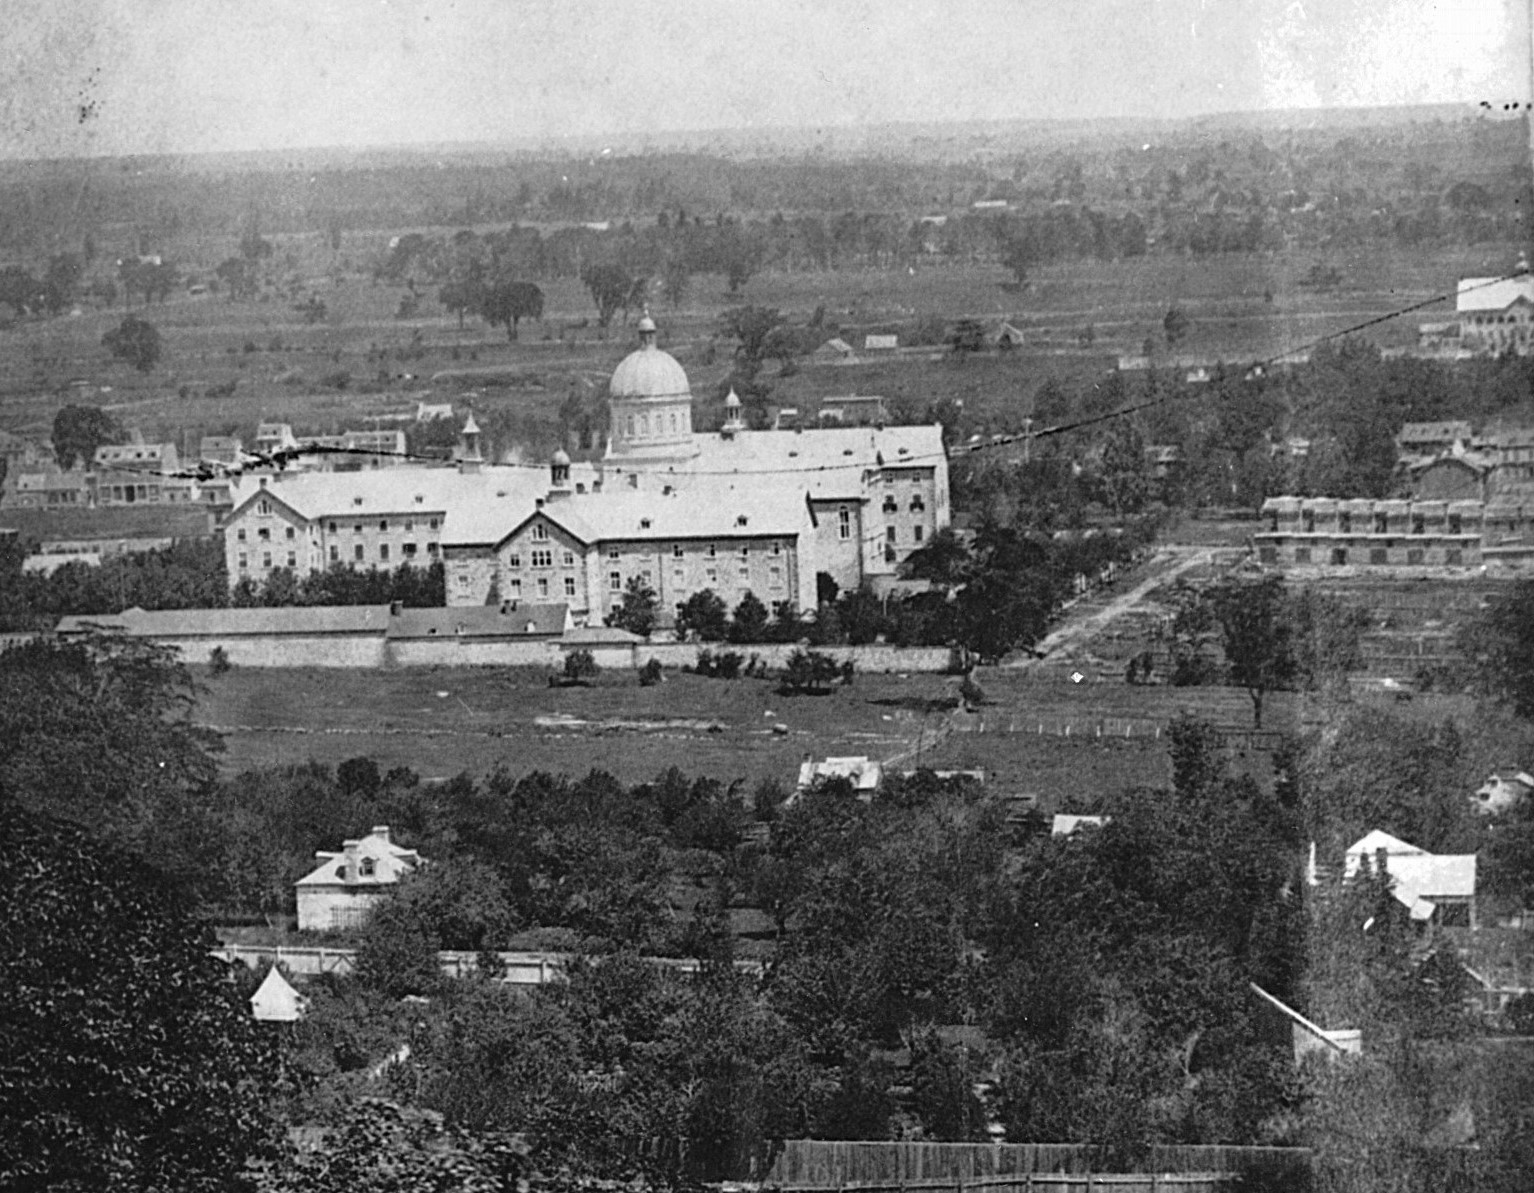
733,511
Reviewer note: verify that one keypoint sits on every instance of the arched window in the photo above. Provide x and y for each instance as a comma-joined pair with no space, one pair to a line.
367,868
644,424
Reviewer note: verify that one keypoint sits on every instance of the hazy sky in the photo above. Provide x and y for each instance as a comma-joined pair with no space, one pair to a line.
116,76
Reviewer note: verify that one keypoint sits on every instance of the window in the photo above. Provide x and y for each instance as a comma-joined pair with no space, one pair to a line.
543,587
712,551
1418,524
569,559
844,524
357,552
711,577
356,501
543,557
1308,521
775,577
366,868
383,552
244,562
264,508
409,525
676,550
240,534
1379,555
613,554
332,528
291,534
570,586
1345,522
540,533
409,550
916,533
431,548
890,506
1381,524
1339,556
266,559
889,534
1456,524
745,552
889,478
644,523
918,506
264,534
292,559
744,572
678,577
777,548
615,581
514,560
514,586
432,524
357,529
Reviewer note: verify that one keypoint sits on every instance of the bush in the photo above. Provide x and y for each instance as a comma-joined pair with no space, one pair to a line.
972,693
650,674
218,661
580,666
724,665
809,671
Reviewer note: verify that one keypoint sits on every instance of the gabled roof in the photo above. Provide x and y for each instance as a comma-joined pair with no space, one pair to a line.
275,1000
510,619
1372,842
390,863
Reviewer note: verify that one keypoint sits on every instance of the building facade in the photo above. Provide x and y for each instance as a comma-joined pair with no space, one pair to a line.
734,511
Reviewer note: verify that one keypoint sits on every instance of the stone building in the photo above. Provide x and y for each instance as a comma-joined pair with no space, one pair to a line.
769,512
341,891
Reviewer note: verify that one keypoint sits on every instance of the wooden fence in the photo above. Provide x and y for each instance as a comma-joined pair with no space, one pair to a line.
809,1165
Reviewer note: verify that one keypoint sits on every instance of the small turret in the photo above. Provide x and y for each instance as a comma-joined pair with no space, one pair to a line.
733,424
469,458
559,475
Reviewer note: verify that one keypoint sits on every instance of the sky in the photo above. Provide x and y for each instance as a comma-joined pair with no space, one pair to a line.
184,76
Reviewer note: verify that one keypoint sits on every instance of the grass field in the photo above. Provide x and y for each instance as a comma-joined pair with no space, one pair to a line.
441,721
206,338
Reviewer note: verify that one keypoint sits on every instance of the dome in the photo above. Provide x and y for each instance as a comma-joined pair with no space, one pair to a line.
561,457
648,372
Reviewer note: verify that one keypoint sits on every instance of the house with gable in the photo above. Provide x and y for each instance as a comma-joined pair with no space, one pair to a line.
341,891
1496,315
1432,887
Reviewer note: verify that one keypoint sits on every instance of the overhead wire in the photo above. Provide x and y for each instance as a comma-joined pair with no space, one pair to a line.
280,458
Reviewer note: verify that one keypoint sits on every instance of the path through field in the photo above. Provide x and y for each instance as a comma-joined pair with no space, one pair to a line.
1088,619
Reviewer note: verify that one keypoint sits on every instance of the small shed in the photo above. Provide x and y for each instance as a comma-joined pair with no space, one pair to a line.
275,1000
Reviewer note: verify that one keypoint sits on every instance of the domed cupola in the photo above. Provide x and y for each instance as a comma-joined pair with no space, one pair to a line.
651,404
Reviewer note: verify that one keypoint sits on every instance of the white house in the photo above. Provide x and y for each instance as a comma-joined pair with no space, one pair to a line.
1424,883
865,774
341,891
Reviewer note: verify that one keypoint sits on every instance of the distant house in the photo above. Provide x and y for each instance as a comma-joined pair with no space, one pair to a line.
1064,824
1426,439
865,774
220,449
430,412
1428,885
341,891
1496,314
1460,477
835,351
880,343
860,410
1501,792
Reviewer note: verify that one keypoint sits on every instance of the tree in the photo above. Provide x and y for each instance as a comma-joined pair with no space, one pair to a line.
1175,325
749,622
610,287
967,337
126,1055
381,1147
1257,636
809,671
581,667
508,303
676,278
79,430
462,296
703,614
135,340
1499,647
751,326
1123,475
638,610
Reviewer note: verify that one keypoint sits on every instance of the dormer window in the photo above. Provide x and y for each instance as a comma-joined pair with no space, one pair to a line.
644,523
367,868
420,499
356,501
740,519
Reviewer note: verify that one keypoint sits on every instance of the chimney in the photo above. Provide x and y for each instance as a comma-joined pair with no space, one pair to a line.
396,608
381,830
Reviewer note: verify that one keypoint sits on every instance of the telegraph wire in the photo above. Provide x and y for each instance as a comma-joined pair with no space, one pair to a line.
279,458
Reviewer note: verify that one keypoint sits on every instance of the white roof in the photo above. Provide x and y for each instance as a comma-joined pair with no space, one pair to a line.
1493,294
390,863
1065,824
864,773
1371,843
275,1000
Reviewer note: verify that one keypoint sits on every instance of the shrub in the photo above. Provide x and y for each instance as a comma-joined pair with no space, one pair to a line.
809,671
724,665
580,666
218,660
650,674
